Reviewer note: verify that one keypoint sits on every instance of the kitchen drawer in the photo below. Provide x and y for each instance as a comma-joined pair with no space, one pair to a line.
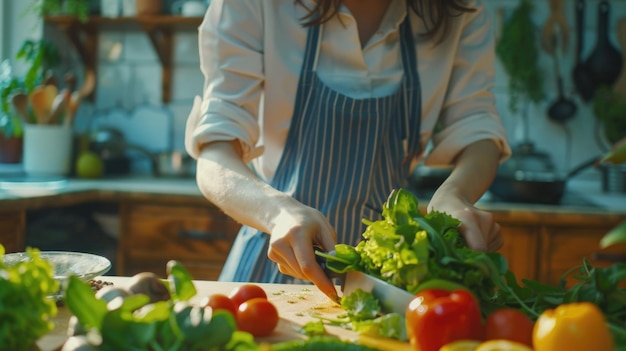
565,248
154,234
12,231
520,250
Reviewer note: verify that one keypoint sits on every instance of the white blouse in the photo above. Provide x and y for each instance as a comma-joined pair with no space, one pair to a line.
251,52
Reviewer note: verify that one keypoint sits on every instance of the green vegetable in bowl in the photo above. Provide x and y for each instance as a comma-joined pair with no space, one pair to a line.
25,308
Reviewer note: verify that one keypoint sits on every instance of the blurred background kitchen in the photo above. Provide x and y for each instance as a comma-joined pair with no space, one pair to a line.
145,70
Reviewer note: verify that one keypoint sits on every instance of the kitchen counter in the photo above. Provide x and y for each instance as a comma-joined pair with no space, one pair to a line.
295,304
583,196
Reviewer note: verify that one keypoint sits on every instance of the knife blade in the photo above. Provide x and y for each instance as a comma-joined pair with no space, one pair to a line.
391,298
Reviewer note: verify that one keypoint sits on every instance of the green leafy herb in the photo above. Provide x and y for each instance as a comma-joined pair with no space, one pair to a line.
25,308
360,305
173,325
390,325
318,343
315,328
518,51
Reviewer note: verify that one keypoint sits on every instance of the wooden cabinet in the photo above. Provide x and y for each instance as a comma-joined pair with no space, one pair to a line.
543,247
520,249
199,236
12,230
563,248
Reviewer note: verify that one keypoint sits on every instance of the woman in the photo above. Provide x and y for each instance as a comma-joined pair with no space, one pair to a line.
313,111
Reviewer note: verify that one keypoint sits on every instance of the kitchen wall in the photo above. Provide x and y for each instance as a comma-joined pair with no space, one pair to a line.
129,95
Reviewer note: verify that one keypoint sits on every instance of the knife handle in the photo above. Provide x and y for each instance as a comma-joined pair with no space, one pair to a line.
333,276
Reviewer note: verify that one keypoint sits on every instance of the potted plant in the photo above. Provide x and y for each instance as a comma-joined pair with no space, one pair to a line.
10,125
42,57
518,52
80,9
609,108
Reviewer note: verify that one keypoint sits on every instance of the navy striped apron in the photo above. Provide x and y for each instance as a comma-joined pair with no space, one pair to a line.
343,156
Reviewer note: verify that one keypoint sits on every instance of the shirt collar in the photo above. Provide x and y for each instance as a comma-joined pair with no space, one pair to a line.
394,16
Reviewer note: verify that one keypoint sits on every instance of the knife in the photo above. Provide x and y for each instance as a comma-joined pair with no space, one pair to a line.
391,298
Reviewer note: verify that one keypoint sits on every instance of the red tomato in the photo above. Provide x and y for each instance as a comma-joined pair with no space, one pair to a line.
220,302
257,316
437,317
245,292
509,324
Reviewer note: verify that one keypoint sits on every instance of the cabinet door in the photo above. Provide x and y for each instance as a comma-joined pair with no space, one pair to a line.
199,237
564,248
12,231
520,249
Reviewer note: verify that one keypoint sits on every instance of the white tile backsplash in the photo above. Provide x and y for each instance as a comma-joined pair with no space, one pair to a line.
130,77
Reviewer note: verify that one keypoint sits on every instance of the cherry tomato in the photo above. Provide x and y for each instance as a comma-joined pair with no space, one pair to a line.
509,324
220,302
245,292
257,316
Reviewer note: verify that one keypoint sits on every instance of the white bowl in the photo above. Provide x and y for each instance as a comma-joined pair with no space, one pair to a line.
65,264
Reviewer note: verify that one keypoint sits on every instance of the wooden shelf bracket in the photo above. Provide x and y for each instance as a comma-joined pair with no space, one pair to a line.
162,41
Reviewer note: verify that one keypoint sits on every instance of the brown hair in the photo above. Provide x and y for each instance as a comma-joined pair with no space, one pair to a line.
436,14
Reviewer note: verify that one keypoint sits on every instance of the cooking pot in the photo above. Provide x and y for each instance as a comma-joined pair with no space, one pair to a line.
109,143
529,176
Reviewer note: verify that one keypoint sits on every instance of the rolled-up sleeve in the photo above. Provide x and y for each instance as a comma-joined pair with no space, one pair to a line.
468,113
231,56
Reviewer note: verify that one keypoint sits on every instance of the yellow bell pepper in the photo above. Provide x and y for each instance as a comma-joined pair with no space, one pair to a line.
578,326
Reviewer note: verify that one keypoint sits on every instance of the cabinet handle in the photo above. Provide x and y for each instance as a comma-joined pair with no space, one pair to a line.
610,257
201,235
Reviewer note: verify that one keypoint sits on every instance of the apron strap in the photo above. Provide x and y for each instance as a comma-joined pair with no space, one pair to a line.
412,89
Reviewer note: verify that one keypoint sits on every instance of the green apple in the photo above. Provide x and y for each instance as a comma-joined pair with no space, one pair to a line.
89,165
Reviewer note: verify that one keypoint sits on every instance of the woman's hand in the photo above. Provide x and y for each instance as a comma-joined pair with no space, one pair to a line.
478,227
298,228
476,166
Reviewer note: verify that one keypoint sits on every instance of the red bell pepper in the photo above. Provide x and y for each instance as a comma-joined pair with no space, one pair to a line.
437,317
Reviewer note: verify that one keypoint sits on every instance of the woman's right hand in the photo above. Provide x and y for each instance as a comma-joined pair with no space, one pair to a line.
297,229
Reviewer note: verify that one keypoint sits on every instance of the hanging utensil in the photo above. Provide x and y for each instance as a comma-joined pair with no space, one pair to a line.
605,61
580,74
556,21
563,109
620,85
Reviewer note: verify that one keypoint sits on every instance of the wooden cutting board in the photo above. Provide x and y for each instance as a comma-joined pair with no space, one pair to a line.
296,305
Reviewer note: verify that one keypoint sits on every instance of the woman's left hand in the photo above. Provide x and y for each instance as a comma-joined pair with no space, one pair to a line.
478,227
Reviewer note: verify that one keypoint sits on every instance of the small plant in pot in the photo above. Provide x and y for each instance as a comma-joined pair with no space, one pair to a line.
10,125
41,55
610,110
80,9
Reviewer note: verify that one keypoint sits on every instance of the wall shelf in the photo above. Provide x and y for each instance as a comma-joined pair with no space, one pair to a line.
160,29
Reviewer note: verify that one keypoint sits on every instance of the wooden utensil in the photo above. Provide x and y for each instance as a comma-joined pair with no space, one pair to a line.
89,83
41,104
620,84
20,102
76,97
58,108
556,20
